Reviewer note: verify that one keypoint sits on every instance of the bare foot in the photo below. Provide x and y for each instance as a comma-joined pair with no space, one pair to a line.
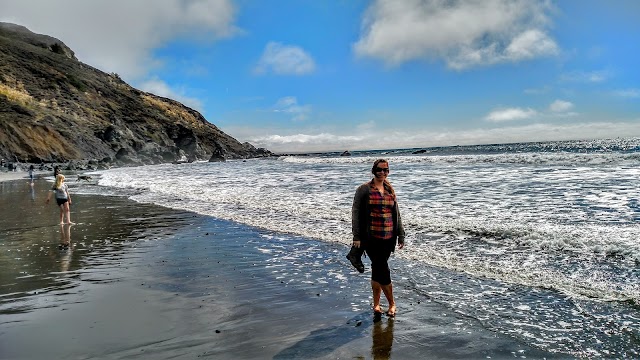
392,311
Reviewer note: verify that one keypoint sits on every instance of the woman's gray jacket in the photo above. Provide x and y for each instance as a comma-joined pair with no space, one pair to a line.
361,217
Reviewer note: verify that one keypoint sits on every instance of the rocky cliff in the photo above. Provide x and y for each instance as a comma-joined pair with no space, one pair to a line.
54,108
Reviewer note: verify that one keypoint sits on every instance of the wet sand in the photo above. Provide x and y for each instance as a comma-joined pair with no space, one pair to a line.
24,175
142,281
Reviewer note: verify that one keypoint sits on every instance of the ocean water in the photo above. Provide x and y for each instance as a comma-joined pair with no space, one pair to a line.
539,241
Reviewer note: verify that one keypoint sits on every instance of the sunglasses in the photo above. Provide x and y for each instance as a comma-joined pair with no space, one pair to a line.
379,169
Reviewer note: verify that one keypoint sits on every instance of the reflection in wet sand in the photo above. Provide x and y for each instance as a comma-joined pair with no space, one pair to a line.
145,281
38,257
65,247
382,336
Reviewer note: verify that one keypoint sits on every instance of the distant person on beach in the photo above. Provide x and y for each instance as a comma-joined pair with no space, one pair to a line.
31,170
62,198
377,229
56,171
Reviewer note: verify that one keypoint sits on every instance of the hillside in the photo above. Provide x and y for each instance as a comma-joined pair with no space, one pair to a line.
54,108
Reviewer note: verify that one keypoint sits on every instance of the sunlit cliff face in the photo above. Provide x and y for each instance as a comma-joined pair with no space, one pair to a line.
54,108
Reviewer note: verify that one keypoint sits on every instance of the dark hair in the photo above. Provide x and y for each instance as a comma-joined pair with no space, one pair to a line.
375,165
386,182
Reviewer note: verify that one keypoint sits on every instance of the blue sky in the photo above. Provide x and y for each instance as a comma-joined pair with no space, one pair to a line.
312,75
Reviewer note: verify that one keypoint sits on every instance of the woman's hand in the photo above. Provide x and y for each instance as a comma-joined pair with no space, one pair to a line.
356,243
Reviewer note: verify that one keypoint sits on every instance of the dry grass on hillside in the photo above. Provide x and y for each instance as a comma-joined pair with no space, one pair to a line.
19,96
171,110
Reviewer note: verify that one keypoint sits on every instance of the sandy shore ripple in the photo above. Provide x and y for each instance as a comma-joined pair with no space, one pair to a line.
141,281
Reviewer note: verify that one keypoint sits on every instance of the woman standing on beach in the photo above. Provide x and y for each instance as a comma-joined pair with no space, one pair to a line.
377,228
62,198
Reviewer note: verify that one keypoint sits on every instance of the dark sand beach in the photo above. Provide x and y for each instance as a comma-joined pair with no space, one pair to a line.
142,281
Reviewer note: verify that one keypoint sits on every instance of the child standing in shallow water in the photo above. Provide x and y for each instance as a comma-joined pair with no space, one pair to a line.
63,199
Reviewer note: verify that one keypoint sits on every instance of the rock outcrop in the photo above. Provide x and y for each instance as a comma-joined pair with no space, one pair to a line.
54,108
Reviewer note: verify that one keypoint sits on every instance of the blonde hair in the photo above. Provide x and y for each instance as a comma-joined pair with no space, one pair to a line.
59,180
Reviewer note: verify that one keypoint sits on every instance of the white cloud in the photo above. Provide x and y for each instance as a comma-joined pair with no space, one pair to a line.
311,141
290,105
587,76
628,93
530,44
531,132
160,88
510,114
286,102
120,35
369,125
463,33
318,139
301,142
559,106
285,60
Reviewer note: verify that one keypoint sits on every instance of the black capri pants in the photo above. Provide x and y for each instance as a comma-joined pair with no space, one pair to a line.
379,252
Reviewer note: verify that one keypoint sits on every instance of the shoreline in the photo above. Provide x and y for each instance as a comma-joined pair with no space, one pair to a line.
143,279
16,175
24,175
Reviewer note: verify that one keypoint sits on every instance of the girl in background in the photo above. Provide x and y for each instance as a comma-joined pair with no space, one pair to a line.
63,199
